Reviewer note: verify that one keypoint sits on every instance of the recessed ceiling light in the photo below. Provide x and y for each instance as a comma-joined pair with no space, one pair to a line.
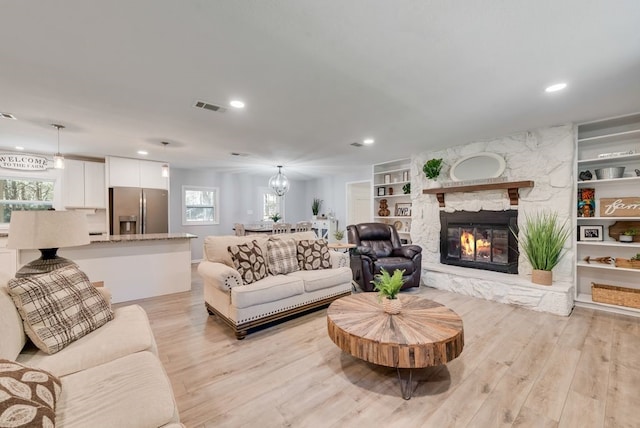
143,152
19,148
368,141
236,104
556,87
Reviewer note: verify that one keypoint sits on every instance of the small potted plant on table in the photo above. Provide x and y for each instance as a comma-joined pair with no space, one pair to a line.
388,287
275,217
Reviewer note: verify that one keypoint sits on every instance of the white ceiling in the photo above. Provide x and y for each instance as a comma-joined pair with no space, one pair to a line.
122,75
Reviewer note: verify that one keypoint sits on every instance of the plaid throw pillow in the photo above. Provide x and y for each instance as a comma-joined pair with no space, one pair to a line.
28,396
282,256
58,307
313,254
248,261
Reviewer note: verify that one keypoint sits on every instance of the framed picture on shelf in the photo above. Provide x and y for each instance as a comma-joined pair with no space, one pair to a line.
382,191
403,209
590,233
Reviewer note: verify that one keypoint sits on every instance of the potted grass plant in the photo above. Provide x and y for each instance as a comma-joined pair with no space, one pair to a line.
627,235
315,207
388,287
542,241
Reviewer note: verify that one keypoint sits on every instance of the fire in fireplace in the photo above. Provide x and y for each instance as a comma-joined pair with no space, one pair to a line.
479,240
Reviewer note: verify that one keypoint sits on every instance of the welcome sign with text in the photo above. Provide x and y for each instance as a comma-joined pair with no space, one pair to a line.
620,207
23,161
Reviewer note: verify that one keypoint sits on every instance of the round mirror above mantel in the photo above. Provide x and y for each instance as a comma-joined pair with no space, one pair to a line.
478,166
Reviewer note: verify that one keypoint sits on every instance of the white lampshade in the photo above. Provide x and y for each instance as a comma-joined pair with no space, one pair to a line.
34,230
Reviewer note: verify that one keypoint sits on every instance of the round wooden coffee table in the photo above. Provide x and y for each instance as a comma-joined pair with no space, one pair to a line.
425,333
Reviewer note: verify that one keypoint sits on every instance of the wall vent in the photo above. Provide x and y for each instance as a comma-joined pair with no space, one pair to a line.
356,144
209,106
8,116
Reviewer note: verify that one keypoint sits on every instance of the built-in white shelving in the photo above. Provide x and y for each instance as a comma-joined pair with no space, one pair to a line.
389,178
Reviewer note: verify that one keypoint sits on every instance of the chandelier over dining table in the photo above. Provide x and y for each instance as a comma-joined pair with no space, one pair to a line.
279,183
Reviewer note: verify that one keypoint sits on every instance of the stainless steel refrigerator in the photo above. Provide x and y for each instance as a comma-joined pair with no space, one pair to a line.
134,210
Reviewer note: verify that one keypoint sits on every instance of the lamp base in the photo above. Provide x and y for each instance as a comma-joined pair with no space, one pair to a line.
48,262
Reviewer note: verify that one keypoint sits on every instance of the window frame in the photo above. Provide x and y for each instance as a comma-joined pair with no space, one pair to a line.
49,204
280,201
215,206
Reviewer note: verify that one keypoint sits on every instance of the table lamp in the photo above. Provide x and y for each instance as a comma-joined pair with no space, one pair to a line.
46,231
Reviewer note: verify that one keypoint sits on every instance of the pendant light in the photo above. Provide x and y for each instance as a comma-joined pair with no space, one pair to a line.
165,167
279,183
58,159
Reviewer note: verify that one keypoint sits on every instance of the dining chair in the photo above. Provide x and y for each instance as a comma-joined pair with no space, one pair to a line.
281,228
239,228
303,226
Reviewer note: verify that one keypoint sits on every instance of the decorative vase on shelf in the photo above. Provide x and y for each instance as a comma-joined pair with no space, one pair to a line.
391,306
626,238
433,184
542,277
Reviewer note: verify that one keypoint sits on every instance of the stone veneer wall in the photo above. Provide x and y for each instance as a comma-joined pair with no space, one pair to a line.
545,156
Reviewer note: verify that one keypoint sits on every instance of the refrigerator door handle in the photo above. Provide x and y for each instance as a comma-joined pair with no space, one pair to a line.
143,212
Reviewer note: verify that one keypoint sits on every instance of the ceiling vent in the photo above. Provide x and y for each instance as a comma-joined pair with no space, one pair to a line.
8,116
356,144
208,106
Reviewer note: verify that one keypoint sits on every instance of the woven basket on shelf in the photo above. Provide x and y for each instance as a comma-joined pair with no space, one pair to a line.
614,295
627,263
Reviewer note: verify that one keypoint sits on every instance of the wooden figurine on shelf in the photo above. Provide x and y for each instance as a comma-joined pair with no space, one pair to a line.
384,208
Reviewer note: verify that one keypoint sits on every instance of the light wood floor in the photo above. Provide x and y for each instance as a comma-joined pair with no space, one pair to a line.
519,368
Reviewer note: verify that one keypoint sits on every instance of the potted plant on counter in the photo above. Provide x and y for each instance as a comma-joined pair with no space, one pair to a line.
388,287
315,207
542,241
432,170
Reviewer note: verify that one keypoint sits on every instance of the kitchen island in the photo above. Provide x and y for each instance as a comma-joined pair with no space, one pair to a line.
132,266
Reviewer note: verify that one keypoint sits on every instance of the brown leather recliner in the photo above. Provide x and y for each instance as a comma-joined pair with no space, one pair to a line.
378,246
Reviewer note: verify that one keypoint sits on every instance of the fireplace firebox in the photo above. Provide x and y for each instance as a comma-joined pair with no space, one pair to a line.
480,240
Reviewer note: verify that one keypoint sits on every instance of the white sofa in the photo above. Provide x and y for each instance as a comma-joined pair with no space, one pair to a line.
111,377
243,307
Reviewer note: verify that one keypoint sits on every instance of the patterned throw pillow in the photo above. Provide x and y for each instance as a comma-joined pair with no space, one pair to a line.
28,396
248,261
313,254
282,256
58,307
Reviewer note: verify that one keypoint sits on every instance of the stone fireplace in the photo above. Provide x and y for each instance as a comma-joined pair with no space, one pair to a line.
441,226
480,240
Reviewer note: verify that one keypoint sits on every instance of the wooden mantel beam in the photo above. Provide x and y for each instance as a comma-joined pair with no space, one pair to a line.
512,188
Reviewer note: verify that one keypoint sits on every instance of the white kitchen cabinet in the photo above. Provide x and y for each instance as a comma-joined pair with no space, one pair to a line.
607,143
151,175
84,185
124,172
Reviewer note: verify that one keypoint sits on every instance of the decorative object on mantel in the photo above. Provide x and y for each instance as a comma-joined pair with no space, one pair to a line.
585,175
406,189
384,209
605,260
478,166
279,183
315,208
542,241
431,170
617,229
620,207
388,288
512,188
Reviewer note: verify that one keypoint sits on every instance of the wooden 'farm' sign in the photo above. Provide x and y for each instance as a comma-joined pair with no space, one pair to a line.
620,207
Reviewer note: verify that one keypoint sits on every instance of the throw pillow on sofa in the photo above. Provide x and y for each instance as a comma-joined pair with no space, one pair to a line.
313,254
282,256
248,261
28,396
58,307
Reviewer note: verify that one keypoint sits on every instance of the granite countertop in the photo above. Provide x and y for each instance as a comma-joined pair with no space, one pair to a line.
144,237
